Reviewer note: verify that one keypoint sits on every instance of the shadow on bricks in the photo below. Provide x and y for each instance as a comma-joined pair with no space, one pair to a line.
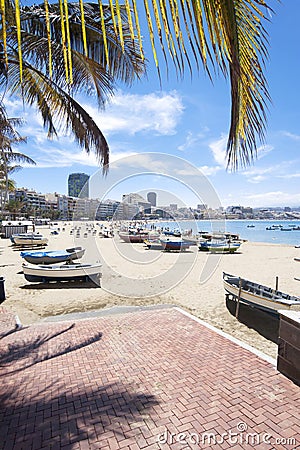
29,349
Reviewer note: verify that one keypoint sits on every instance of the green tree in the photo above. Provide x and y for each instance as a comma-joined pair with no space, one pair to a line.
9,159
15,208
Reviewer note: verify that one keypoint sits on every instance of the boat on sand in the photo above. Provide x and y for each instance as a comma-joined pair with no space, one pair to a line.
28,239
53,256
257,295
45,273
174,244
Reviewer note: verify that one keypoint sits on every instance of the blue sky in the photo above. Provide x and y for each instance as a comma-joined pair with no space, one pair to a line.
187,120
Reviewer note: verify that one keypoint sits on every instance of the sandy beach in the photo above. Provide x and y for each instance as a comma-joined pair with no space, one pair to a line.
133,275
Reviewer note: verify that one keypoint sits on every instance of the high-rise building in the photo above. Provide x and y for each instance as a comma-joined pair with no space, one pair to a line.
78,185
151,197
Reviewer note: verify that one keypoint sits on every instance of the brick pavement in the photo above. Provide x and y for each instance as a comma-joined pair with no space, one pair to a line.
134,381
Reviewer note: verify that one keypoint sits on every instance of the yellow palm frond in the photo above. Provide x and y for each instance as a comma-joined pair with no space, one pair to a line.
18,25
83,28
48,36
68,38
63,38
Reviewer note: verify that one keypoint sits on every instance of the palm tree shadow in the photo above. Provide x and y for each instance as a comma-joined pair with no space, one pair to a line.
25,352
79,417
70,406
266,324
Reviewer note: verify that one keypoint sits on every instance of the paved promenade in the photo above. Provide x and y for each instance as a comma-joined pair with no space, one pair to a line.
142,380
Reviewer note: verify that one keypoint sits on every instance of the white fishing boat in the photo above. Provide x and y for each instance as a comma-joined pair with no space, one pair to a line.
153,244
45,273
258,296
28,239
222,246
133,236
53,256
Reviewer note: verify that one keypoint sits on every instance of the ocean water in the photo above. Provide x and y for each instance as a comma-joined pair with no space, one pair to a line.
257,233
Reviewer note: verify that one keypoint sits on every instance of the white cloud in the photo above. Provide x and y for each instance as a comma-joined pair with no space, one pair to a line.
294,137
191,140
274,198
264,150
152,113
210,170
257,175
290,175
218,149
132,113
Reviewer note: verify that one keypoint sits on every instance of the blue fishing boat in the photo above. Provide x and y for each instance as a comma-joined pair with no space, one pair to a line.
174,244
53,256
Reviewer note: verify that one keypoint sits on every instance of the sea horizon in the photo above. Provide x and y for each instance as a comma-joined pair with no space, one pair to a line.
257,233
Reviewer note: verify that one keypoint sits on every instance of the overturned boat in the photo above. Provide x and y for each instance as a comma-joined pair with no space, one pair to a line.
53,256
45,273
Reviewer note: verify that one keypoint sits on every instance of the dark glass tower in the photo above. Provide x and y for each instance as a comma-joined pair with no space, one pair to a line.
78,185
151,197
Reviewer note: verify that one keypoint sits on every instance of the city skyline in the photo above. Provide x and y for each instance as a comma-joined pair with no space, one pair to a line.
188,120
170,202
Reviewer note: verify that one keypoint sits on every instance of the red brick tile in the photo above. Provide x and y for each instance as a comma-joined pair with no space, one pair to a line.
150,372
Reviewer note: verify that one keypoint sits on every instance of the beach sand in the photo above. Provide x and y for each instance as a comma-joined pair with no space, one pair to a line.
133,275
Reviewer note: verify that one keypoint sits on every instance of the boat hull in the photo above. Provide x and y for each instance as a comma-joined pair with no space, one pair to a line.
259,296
64,272
53,257
174,245
219,248
153,244
133,238
20,240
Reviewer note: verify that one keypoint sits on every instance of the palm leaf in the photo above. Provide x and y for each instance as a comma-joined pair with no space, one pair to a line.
59,110
227,35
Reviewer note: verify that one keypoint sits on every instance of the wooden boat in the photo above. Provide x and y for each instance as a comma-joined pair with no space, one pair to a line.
258,296
176,233
53,256
64,272
133,237
193,239
221,235
153,244
173,244
219,246
29,239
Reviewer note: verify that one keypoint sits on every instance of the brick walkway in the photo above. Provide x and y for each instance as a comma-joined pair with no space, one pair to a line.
134,381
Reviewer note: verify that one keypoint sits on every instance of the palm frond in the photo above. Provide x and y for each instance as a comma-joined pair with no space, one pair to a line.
225,35
59,110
